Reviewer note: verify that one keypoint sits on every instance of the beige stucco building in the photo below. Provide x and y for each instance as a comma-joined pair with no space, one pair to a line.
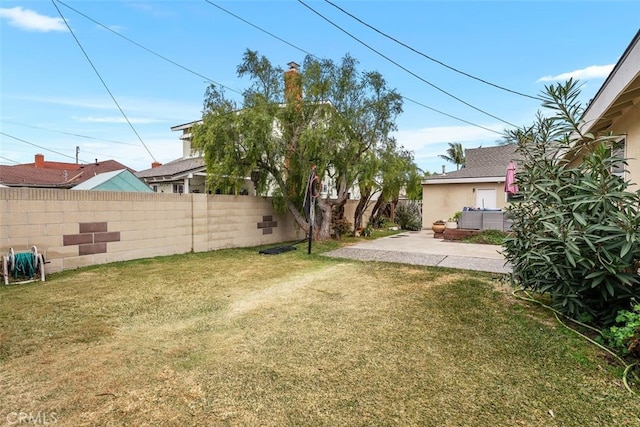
616,108
480,184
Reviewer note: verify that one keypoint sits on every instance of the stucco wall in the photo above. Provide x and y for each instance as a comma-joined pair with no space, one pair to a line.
80,228
350,210
442,201
629,124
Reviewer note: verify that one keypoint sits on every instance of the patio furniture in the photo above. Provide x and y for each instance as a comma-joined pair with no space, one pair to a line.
485,219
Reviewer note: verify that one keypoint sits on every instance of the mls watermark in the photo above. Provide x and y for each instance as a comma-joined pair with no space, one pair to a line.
42,418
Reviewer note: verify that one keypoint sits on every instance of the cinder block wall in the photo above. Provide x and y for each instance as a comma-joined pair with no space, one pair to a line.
244,221
80,228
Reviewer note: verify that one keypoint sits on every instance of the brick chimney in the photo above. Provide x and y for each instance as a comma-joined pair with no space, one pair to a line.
155,164
39,161
292,83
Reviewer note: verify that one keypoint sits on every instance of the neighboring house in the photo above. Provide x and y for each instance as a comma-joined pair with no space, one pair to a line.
616,107
188,173
480,184
45,174
120,180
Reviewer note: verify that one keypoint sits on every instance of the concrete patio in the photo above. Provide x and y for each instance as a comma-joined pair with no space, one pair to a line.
421,248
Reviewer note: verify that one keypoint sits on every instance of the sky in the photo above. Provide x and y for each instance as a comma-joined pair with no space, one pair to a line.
98,80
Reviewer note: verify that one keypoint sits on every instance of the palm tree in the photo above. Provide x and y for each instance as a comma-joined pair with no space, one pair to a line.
455,154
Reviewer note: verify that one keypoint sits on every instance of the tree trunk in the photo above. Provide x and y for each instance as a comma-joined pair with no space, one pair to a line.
323,216
298,217
376,208
362,205
393,204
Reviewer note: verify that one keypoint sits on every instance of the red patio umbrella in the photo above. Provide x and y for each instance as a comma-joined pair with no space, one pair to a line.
510,185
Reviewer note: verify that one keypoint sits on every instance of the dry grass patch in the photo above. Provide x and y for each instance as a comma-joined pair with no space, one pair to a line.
237,338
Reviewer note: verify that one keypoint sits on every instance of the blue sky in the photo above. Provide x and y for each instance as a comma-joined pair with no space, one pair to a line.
52,100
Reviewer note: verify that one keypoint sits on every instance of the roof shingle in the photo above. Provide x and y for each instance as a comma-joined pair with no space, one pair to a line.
55,174
173,168
483,162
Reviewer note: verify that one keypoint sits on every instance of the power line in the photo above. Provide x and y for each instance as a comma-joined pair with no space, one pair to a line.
264,31
147,49
10,160
453,117
68,133
102,80
40,146
304,51
261,29
430,58
404,68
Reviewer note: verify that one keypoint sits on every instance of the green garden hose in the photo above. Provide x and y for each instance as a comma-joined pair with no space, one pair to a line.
627,367
24,264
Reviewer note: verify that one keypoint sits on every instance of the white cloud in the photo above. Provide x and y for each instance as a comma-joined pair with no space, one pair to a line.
32,21
151,9
419,139
138,158
428,143
591,72
163,110
133,120
116,28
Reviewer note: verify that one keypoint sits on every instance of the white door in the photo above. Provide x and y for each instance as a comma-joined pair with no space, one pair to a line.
486,198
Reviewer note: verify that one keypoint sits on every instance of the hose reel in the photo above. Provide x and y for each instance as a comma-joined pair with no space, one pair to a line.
23,267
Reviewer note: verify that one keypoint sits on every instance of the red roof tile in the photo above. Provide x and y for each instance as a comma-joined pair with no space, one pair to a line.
55,174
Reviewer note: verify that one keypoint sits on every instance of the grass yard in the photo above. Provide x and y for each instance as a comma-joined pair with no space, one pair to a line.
233,337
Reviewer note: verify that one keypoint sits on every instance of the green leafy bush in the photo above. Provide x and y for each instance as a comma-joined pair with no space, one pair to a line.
575,233
341,226
408,217
381,221
624,338
487,237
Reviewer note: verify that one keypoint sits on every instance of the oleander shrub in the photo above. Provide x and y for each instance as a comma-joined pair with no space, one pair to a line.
575,233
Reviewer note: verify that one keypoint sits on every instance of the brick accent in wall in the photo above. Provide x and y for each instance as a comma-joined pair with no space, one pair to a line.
267,224
92,239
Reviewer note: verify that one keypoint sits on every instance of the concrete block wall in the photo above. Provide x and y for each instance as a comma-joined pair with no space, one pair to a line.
80,228
244,221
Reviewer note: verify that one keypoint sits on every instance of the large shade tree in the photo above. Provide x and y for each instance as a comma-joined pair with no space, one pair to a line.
329,116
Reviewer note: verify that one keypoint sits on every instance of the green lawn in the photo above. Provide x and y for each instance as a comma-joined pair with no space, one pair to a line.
233,337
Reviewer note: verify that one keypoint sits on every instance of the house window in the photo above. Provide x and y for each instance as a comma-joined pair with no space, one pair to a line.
154,188
178,188
517,197
618,150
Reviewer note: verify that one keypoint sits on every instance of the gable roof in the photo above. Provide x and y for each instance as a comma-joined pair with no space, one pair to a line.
188,125
619,92
119,180
173,170
46,174
488,164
